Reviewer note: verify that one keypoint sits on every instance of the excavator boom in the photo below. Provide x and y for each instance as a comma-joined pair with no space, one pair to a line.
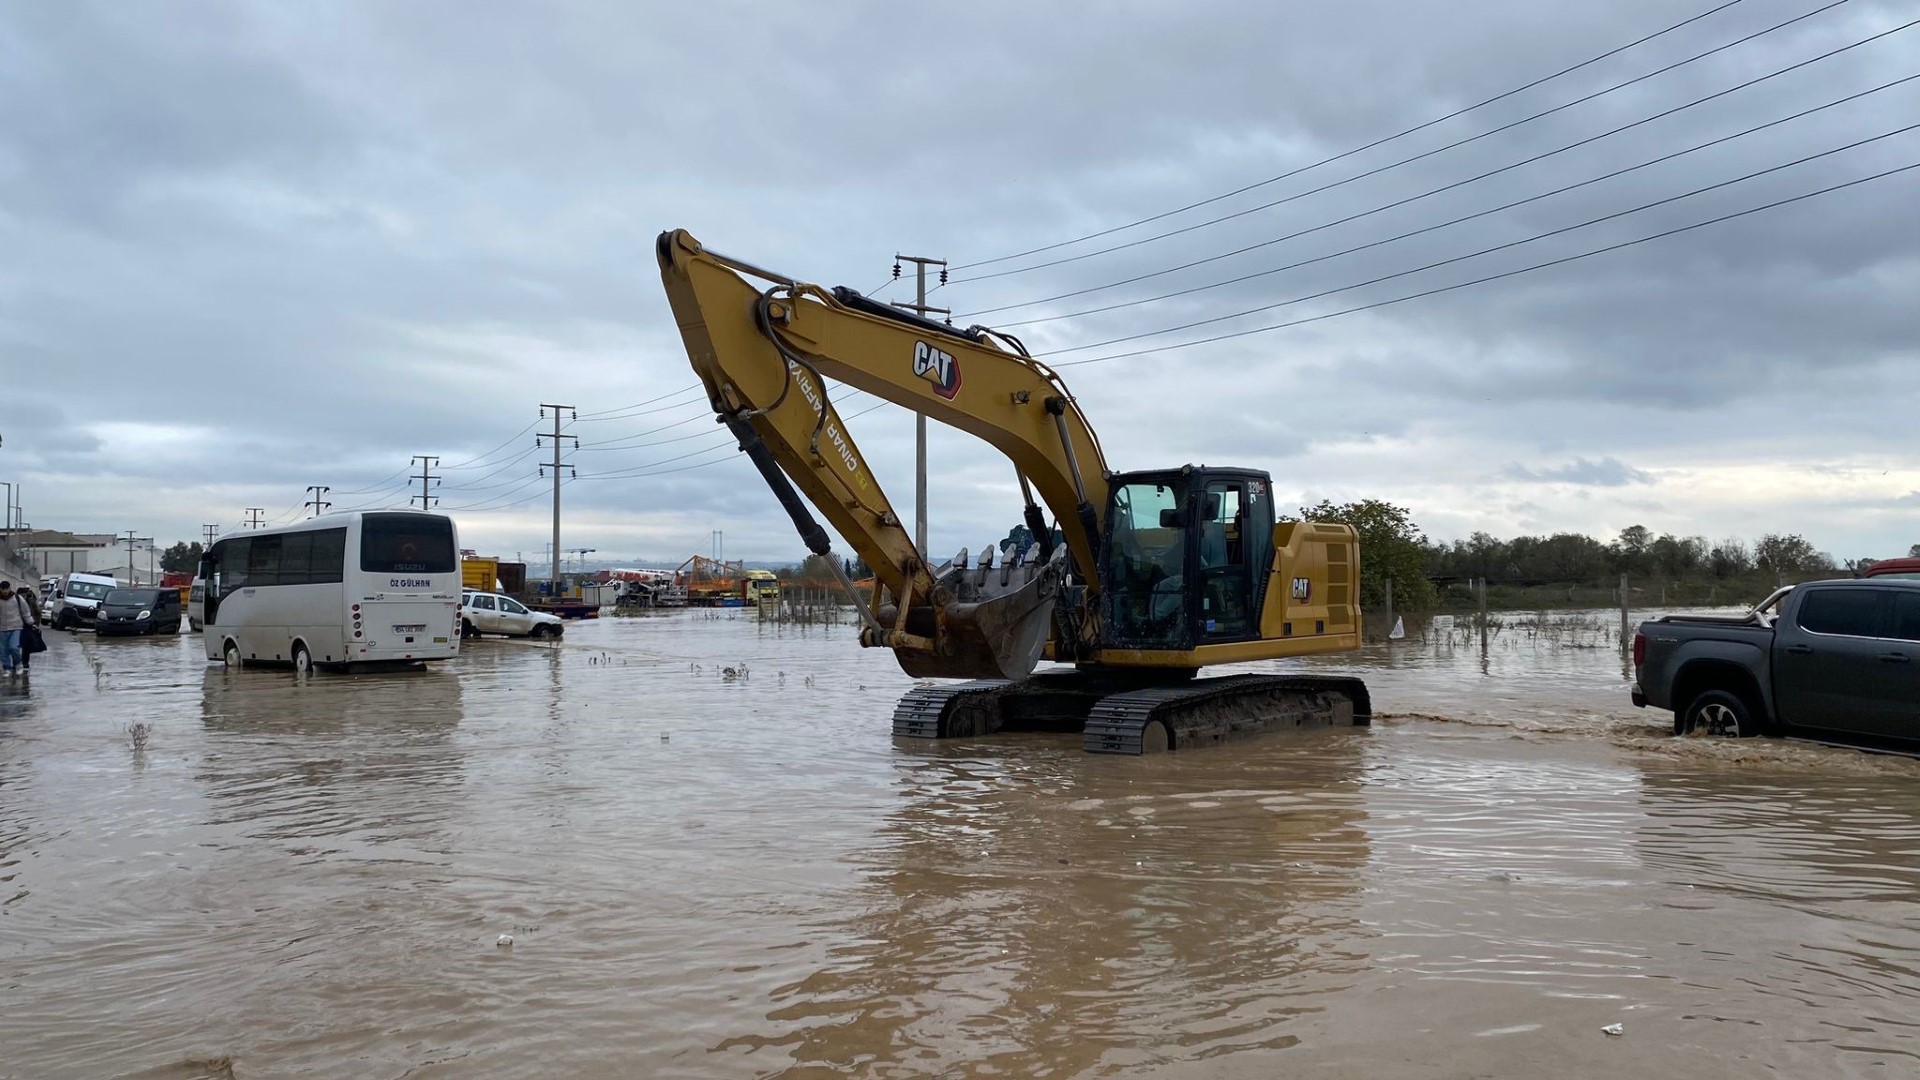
766,355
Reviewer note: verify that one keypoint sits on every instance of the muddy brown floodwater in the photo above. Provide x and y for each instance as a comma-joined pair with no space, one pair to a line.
707,876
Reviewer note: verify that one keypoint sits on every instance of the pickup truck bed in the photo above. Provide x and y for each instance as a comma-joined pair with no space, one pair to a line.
1830,656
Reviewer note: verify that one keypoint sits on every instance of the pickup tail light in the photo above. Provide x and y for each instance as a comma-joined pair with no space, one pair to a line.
1639,649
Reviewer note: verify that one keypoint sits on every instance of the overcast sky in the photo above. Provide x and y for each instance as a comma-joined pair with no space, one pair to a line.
245,248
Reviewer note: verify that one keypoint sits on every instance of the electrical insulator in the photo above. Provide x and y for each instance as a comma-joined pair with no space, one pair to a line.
896,271
943,275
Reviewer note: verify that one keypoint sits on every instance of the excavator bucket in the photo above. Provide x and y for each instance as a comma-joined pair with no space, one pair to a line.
995,627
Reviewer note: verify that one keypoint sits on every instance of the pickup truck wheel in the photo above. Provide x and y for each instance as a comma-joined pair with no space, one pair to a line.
1717,713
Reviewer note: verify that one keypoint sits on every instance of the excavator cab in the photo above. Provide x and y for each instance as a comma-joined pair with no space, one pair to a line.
1186,552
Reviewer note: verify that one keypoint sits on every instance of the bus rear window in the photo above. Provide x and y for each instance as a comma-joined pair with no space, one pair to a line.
407,544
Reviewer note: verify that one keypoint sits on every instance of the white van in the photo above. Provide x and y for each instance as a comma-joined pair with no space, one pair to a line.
76,599
197,604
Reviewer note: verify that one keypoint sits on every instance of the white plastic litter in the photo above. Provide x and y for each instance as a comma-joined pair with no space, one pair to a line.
1615,1029
505,942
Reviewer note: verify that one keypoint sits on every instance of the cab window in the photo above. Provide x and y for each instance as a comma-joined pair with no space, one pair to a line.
512,607
1906,616
1146,566
1842,612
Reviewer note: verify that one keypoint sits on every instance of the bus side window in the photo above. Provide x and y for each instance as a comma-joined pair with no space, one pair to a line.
230,565
296,558
263,561
329,557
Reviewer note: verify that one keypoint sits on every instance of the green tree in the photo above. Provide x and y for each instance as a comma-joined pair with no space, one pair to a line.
1729,558
1631,551
1914,552
1790,554
181,558
1391,546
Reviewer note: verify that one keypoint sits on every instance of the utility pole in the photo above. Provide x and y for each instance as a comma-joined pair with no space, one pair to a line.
919,306
253,516
427,480
319,503
213,533
558,438
132,574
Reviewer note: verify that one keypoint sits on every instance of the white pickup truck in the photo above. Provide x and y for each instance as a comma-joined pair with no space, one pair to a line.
492,613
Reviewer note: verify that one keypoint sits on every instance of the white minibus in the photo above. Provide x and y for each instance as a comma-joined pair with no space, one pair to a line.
367,587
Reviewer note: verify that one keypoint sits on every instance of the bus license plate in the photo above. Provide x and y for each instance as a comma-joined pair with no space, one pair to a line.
410,628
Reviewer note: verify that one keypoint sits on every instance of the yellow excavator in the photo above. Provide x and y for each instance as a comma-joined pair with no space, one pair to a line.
1156,574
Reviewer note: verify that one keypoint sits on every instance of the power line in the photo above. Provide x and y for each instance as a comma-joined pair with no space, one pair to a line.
473,462
1494,277
490,503
603,414
637,446
503,466
1359,149
1424,229
380,485
703,414
384,498
726,443
1489,250
1831,4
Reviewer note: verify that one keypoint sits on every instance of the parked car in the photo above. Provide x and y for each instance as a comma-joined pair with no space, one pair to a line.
139,611
76,599
1826,656
492,613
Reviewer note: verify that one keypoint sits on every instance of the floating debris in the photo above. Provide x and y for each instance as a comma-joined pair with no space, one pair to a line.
505,941
1615,1029
137,733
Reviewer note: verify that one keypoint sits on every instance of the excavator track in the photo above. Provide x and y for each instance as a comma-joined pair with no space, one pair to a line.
941,712
1214,710
1133,721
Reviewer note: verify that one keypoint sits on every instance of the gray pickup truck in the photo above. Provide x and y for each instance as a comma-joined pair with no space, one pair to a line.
1826,656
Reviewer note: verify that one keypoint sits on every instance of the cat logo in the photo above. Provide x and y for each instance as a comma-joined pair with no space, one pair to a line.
1302,588
938,367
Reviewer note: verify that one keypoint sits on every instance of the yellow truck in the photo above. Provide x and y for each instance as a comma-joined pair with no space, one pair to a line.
480,575
761,586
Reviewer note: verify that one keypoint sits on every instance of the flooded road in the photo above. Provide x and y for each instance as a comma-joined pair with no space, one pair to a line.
714,876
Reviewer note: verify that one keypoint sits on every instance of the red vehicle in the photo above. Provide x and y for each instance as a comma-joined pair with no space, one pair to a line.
1894,568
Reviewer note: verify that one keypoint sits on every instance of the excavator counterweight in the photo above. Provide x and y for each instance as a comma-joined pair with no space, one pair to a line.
1156,574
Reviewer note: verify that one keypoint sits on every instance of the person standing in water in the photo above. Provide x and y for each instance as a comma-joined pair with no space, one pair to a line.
14,614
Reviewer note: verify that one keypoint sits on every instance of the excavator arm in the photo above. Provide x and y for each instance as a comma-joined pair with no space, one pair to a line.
765,354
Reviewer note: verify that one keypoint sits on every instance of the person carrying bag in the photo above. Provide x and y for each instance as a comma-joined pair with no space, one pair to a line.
15,618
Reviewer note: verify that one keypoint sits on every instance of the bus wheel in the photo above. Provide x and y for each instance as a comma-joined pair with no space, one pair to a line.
302,658
230,655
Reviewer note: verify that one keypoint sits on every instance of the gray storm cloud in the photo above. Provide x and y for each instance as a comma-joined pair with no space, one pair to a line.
255,247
